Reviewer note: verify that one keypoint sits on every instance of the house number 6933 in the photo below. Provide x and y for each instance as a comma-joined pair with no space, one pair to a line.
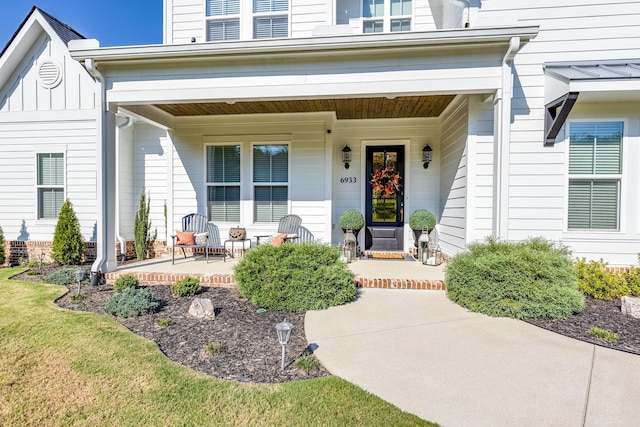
348,180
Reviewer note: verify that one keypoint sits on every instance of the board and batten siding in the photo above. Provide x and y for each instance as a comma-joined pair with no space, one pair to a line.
453,177
37,119
306,137
571,30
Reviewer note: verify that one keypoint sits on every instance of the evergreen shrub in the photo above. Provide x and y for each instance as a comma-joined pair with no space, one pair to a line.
125,281
143,238
132,302
187,287
68,247
596,281
351,219
2,255
63,277
522,280
295,277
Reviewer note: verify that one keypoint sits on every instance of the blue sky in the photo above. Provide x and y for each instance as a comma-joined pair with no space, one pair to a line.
112,22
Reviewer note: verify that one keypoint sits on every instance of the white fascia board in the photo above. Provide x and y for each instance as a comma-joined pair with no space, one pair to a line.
315,45
614,90
19,47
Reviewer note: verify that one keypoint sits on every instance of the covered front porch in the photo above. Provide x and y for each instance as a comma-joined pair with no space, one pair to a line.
279,113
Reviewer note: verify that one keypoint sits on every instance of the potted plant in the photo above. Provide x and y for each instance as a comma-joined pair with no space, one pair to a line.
353,220
421,221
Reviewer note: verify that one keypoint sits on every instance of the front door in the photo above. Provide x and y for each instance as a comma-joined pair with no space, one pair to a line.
384,198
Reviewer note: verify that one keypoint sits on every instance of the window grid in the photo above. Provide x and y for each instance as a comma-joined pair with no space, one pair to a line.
270,19
270,182
595,174
223,20
50,184
386,15
223,183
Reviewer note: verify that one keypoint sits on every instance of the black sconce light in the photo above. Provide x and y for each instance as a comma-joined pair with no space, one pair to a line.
346,156
426,156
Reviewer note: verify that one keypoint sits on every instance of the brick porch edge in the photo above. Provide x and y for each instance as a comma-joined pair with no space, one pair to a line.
227,281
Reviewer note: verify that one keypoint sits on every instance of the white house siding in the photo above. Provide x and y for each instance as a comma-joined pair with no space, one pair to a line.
306,136
421,185
125,166
453,177
423,16
308,14
184,19
570,30
35,119
150,159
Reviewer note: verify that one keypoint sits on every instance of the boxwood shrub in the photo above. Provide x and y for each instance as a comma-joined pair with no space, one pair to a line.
132,302
596,281
187,287
125,281
295,277
525,279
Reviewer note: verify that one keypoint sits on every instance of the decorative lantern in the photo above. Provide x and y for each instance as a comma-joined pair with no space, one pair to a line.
351,241
346,156
426,156
345,253
423,247
283,329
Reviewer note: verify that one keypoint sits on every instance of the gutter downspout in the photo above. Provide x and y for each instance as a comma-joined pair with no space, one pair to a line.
503,140
119,237
96,267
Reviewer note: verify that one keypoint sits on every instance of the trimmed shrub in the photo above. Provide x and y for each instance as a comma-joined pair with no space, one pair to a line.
351,219
422,219
143,238
295,277
520,280
126,281
2,256
187,287
132,302
594,280
63,277
68,248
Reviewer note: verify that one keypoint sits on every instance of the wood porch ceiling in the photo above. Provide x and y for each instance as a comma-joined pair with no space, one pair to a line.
347,108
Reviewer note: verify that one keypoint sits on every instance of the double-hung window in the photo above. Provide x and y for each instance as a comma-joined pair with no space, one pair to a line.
270,182
386,15
223,20
270,19
50,184
223,183
595,173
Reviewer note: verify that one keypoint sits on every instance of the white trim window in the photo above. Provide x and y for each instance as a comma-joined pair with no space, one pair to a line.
386,15
270,182
50,184
223,20
595,174
270,19
223,183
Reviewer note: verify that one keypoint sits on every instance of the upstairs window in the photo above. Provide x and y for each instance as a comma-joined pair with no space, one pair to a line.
271,19
223,20
595,174
270,182
50,184
386,15
223,183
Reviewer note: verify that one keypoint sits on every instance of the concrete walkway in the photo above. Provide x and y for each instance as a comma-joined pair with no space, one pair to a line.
432,358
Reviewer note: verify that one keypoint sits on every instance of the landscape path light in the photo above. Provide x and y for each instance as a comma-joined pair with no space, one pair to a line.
283,330
79,277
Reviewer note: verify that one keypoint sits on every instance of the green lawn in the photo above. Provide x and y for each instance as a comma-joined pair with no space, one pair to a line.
60,367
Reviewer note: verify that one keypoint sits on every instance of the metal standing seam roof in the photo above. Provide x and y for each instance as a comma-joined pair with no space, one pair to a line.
623,69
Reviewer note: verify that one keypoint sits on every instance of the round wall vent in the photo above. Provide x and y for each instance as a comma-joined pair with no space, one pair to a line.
50,73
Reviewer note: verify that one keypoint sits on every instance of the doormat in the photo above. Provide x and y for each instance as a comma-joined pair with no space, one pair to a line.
390,256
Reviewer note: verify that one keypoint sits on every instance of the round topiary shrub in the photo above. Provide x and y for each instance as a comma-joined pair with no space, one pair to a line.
298,277
422,219
125,281
526,279
132,302
187,287
351,219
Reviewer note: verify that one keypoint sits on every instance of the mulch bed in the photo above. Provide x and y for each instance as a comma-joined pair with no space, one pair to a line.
250,351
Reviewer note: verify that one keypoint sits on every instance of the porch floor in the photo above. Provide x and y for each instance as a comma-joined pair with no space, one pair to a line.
393,274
